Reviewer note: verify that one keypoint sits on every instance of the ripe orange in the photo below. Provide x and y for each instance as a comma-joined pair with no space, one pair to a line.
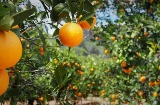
140,93
88,85
142,79
40,98
75,88
4,81
41,49
10,49
16,26
96,38
79,94
41,53
22,39
150,1
127,71
113,38
157,82
146,34
151,83
106,51
85,25
155,94
123,64
71,34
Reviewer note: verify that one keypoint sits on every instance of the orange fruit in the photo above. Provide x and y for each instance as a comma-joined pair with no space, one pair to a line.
88,85
79,94
150,84
93,83
22,39
96,38
114,96
155,94
75,88
41,52
41,49
142,79
106,51
146,34
71,34
85,25
10,49
150,1
127,71
113,38
16,26
157,82
123,64
140,93
40,98
4,81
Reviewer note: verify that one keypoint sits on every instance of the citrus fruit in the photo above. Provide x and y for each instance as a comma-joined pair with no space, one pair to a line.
14,27
113,38
71,34
85,25
146,34
4,81
155,94
40,98
10,49
123,64
142,79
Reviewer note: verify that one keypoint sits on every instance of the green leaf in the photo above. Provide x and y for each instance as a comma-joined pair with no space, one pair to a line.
21,16
4,11
97,6
58,11
6,22
86,16
90,20
88,7
56,32
80,9
10,5
71,8
59,7
41,36
16,31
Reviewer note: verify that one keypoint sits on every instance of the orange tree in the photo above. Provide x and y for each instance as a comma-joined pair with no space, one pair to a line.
44,70
132,43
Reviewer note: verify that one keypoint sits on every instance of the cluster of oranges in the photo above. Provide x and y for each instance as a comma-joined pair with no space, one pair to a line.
125,68
10,54
71,34
41,50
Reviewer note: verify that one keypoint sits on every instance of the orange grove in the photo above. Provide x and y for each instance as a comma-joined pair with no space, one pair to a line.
10,49
85,25
71,34
4,81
